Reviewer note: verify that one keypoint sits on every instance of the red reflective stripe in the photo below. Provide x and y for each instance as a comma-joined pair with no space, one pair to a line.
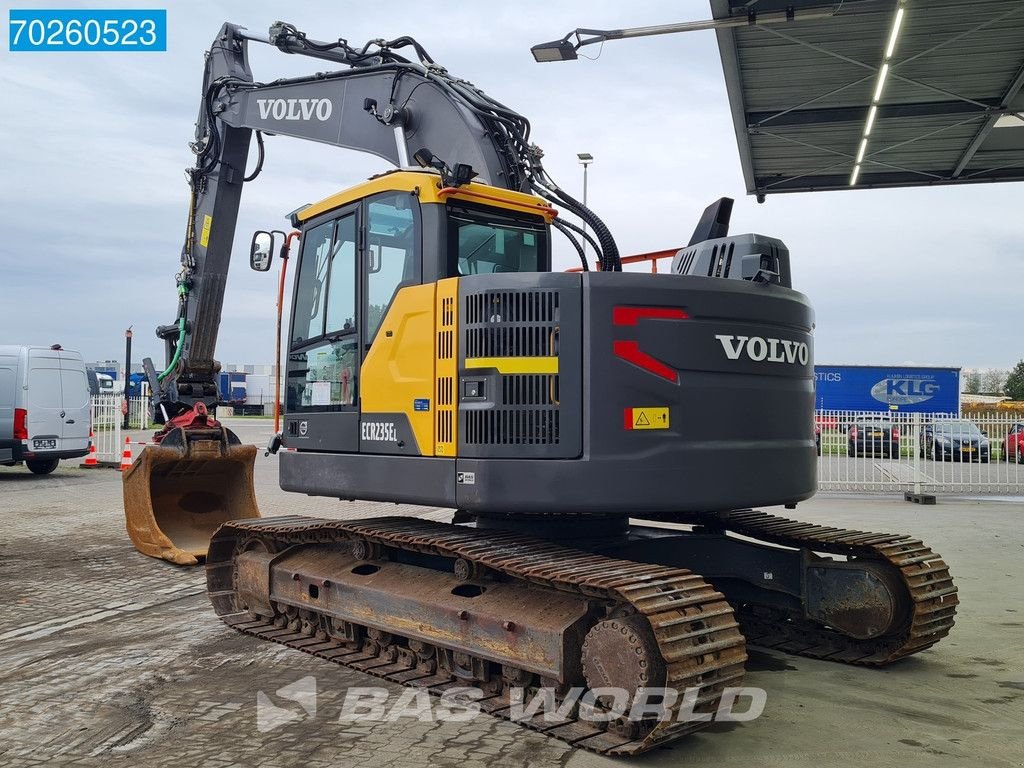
627,418
630,352
630,315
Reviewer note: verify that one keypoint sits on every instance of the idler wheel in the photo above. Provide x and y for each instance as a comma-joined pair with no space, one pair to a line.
622,653
363,549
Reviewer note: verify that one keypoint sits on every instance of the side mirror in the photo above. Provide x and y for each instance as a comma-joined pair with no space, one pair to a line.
261,251
984,432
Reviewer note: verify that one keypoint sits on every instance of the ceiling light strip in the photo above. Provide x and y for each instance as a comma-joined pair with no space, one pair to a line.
883,74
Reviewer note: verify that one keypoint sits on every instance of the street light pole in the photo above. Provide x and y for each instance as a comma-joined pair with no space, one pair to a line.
585,159
127,374
567,48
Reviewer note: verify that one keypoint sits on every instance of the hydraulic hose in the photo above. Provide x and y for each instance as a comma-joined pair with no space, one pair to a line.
609,252
177,351
183,292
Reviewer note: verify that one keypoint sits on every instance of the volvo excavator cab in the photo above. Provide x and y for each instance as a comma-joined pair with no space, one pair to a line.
434,358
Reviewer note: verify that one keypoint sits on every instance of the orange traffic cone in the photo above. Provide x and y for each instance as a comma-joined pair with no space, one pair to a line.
126,455
90,460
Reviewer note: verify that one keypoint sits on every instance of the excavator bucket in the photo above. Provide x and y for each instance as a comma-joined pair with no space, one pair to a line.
177,493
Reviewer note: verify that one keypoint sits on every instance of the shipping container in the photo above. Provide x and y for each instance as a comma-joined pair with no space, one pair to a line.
232,388
887,388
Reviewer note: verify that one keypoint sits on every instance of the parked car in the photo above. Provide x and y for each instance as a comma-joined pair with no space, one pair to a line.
1013,445
44,407
873,435
817,439
828,423
954,440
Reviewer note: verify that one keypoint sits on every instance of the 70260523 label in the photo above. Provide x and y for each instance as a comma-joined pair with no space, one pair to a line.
82,29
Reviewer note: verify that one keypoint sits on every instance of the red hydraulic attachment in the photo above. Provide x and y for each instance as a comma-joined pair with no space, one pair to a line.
197,418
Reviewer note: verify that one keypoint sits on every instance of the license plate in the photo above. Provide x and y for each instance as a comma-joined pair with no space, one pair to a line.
876,434
41,444
968,450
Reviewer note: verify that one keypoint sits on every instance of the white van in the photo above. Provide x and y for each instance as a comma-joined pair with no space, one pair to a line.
44,407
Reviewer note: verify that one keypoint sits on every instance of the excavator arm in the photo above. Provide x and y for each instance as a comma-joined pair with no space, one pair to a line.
381,103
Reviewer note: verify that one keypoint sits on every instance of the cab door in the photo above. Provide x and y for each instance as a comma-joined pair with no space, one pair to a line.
398,360
324,352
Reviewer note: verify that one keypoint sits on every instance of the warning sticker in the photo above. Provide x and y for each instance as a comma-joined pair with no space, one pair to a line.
204,236
646,418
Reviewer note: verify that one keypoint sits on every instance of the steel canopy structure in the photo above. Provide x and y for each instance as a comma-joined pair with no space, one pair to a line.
883,93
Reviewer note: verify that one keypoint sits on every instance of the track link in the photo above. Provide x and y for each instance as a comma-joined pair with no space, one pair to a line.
696,632
932,593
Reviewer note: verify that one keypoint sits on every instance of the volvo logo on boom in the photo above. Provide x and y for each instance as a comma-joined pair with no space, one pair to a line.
760,349
295,109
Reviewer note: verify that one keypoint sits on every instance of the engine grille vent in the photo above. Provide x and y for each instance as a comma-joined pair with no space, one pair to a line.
533,426
510,341
720,263
687,261
529,389
512,307
445,395
523,407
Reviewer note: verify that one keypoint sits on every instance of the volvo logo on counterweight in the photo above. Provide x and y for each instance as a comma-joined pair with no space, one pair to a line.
295,109
760,349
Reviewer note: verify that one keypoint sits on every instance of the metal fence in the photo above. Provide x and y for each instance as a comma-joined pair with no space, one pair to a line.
107,420
885,452
920,453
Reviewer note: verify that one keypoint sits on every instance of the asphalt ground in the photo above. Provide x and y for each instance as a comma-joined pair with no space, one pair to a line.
109,657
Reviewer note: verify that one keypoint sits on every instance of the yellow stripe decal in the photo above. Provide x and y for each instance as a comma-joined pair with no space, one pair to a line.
515,364
204,236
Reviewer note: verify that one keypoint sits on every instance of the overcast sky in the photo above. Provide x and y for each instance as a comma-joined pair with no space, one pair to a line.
93,196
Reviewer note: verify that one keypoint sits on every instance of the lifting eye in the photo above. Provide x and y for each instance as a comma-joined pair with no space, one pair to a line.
468,590
314,591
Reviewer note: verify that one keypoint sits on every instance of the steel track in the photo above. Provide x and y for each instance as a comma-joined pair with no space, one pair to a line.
695,628
932,593
696,632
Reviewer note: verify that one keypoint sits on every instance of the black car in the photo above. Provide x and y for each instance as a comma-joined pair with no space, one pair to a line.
873,436
954,440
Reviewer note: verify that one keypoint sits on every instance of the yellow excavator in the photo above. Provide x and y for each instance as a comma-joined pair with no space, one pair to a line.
602,436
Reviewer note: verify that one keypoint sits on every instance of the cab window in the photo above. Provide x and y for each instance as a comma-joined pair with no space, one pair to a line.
483,241
341,285
392,258
323,377
310,289
325,294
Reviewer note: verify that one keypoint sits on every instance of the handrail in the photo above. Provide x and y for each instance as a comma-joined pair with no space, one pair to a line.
652,257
